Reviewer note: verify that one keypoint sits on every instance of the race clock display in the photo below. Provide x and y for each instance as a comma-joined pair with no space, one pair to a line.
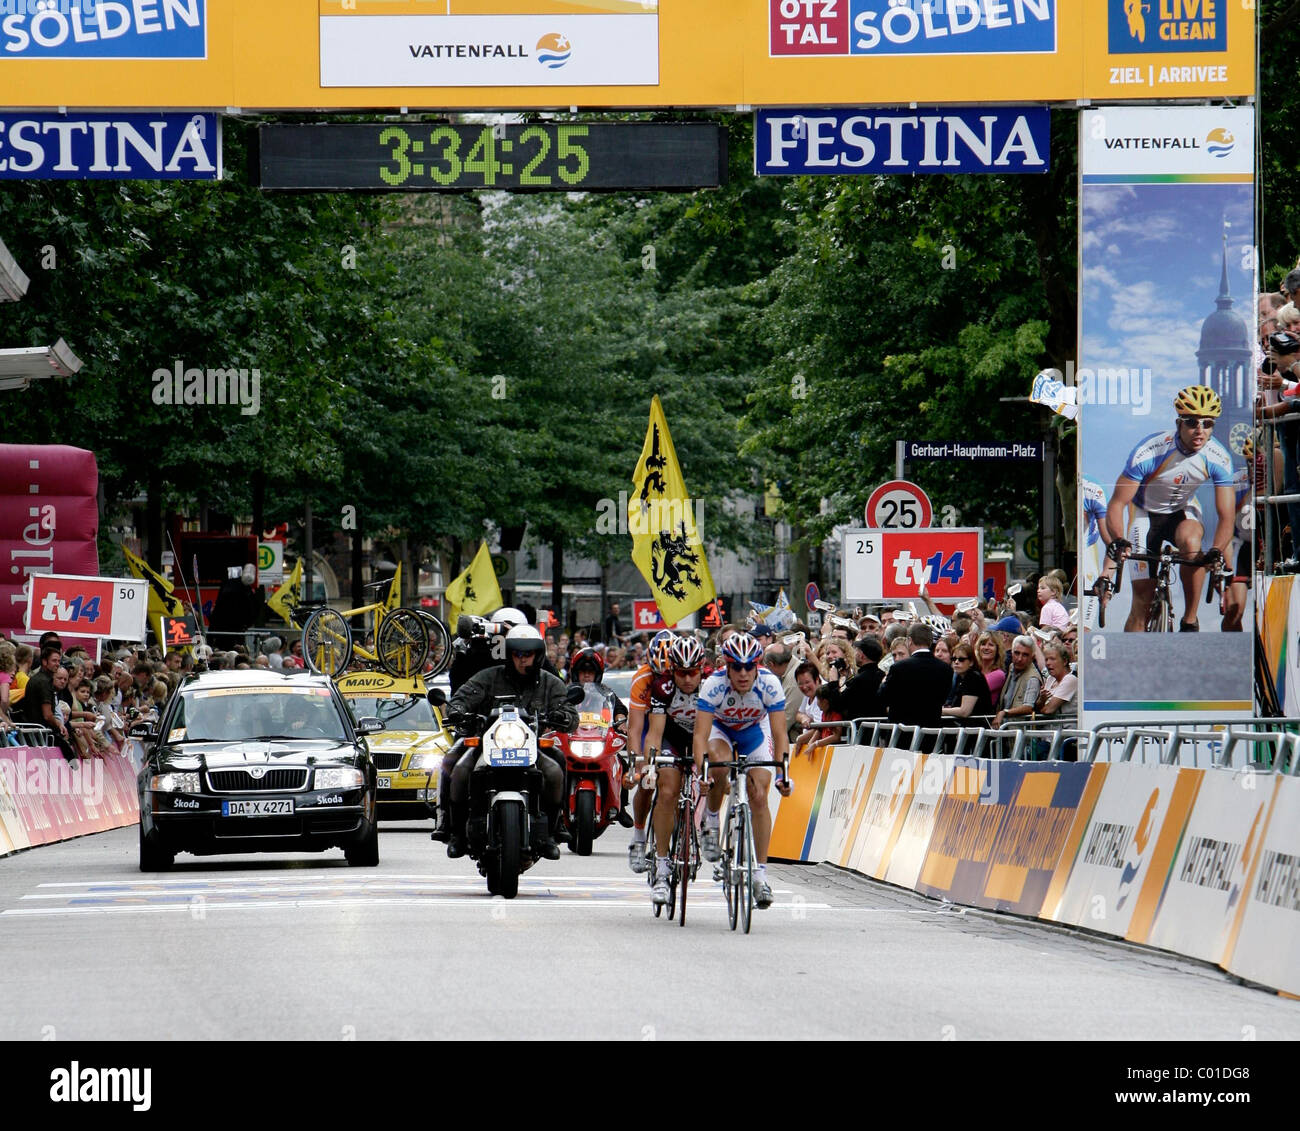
536,157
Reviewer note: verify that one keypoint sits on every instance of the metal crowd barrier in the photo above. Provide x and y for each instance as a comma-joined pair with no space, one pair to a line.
1265,743
29,734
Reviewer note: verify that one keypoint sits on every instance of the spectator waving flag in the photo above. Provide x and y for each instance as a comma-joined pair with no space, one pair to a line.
283,600
666,543
162,600
475,592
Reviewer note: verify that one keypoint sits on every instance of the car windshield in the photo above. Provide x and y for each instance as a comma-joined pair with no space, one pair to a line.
243,714
399,712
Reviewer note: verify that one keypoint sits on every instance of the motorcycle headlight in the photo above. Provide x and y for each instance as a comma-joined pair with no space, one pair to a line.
174,783
340,779
587,749
510,736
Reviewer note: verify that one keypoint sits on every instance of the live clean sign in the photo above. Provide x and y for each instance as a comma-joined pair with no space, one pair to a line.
834,142
103,29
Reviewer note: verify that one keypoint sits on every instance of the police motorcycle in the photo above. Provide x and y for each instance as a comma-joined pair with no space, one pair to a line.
507,827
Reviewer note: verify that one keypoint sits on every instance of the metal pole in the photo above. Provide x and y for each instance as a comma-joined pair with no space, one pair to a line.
900,448
306,569
1049,560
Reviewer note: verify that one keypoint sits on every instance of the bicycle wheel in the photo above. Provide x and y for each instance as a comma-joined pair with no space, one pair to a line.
1160,615
402,643
728,873
672,873
327,642
746,896
440,654
682,857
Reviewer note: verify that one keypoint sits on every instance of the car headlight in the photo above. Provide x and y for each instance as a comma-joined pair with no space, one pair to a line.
426,761
340,779
587,749
175,783
510,736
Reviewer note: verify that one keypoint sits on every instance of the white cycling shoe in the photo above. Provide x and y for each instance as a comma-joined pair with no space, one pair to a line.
710,849
636,857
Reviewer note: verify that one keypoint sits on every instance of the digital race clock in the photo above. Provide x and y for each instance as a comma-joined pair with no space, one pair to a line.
536,157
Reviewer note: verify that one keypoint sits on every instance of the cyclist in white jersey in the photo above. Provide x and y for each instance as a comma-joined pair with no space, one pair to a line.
742,705
1160,479
1094,562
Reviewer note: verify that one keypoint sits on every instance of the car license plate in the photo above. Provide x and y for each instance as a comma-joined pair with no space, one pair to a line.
260,808
385,783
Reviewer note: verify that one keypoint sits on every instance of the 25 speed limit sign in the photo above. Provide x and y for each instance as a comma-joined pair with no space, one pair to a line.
898,505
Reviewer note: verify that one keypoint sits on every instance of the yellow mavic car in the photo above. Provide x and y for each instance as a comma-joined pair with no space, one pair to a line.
408,753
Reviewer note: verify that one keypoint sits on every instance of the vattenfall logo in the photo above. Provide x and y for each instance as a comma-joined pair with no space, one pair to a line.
103,29
1152,27
554,50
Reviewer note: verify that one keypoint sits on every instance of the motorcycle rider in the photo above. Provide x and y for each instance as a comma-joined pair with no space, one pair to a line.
522,682
475,652
588,667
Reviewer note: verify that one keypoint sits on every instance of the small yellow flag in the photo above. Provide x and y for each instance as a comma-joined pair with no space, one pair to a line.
283,600
475,592
162,600
666,543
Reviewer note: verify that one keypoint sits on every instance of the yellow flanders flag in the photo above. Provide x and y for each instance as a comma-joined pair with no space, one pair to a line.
283,600
475,592
666,544
395,590
162,600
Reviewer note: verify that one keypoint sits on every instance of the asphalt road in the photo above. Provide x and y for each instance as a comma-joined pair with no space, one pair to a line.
305,947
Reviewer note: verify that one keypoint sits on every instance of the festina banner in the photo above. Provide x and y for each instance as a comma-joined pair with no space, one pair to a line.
1166,383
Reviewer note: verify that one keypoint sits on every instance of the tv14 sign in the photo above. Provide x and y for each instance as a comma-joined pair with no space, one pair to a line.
836,142
646,617
104,607
891,565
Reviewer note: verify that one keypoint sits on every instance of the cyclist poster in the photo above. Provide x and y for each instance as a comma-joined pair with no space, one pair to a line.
1166,386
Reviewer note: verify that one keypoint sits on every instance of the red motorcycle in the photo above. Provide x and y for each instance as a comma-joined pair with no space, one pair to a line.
593,756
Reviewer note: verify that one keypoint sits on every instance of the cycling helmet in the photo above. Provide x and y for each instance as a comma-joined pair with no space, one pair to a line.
509,616
741,649
1197,400
586,658
685,652
657,653
525,638
1248,449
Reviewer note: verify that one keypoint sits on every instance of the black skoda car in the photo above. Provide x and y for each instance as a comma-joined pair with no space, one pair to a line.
257,761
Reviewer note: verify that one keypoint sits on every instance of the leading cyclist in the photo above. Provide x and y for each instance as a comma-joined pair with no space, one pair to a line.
744,707
1161,479
672,728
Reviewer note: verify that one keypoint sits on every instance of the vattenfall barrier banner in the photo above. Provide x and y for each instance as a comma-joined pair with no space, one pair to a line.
44,799
447,54
1278,623
1200,862
1266,948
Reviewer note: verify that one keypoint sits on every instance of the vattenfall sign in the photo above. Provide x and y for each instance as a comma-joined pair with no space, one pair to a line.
836,142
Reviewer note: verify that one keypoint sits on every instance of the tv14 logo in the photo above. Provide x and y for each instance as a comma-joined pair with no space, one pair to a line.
87,606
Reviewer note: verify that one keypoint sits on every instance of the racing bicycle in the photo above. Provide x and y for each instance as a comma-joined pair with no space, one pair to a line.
684,847
736,868
404,638
1160,616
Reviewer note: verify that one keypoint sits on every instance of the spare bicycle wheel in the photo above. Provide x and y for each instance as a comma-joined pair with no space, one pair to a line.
403,643
440,654
327,642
